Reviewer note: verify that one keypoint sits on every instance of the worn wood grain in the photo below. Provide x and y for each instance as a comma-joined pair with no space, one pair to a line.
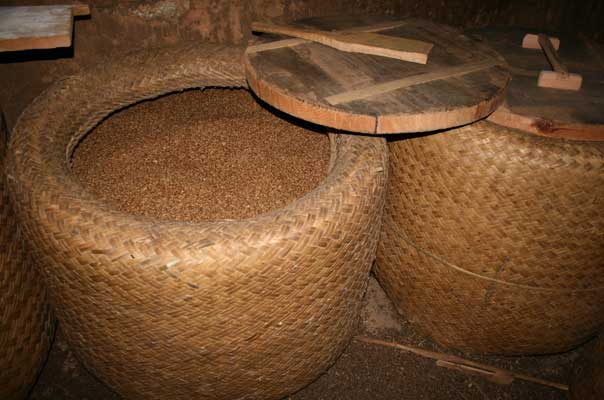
559,80
444,73
38,27
551,54
356,41
294,42
573,115
302,79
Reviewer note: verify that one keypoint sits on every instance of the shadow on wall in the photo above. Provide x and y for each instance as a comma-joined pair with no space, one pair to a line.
120,26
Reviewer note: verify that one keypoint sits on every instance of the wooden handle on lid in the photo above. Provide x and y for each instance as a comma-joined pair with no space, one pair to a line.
559,78
551,54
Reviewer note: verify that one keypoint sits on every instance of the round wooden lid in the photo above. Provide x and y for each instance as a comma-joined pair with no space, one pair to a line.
568,114
462,81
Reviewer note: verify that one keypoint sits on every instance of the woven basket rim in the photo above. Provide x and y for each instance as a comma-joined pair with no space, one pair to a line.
54,186
95,205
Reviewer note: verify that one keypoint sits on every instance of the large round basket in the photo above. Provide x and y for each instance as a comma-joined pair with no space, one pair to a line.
493,239
231,309
587,382
26,323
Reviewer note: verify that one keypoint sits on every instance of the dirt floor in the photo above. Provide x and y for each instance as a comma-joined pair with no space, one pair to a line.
363,372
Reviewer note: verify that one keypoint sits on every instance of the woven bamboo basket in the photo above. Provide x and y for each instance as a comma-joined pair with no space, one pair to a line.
588,376
493,239
244,309
26,323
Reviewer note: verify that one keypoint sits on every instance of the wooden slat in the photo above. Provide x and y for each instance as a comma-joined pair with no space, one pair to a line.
443,73
38,27
384,26
257,48
357,42
551,54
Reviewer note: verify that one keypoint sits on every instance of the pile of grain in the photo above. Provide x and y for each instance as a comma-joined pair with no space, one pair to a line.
200,155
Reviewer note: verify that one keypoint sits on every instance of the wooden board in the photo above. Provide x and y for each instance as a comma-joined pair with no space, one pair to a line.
38,27
462,81
573,115
356,42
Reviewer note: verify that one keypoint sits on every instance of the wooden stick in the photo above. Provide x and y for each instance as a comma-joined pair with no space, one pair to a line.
552,54
499,378
497,375
257,48
357,42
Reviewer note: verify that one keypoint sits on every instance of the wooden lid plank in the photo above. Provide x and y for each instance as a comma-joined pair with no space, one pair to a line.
381,88
356,41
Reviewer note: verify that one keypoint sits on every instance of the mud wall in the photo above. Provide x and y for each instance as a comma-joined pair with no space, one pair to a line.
119,26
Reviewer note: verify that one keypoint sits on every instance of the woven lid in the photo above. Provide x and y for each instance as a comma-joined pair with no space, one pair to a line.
461,82
568,114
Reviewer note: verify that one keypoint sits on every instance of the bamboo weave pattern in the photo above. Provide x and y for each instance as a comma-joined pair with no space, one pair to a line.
26,321
249,309
493,239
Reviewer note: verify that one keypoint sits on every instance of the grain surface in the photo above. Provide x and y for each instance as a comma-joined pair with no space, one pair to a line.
201,155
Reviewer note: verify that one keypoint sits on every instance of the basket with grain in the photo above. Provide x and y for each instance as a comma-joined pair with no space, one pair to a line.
249,308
